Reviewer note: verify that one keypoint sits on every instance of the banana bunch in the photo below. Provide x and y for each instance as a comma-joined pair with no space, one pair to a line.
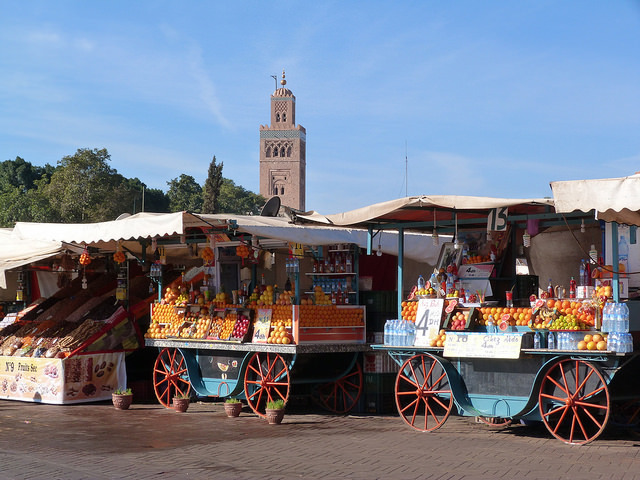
543,318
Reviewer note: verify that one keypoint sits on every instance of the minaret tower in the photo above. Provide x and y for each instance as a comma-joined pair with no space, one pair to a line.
283,152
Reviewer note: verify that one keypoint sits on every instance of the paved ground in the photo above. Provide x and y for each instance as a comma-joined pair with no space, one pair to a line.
95,441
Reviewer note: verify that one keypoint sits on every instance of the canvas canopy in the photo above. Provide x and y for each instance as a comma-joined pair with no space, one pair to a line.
420,208
106,235
15,252
613,199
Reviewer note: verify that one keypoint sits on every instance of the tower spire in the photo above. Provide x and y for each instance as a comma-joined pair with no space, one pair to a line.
283,82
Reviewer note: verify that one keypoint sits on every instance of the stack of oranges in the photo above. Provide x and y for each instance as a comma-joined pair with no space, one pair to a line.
517,316
593,342
583,311
409,310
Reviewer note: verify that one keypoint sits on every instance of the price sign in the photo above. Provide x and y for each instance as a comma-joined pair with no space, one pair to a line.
262,326
428,320
497,221
482,345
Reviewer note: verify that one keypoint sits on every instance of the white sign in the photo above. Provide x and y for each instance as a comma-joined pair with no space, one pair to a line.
428,320
497,221
470,270
482,345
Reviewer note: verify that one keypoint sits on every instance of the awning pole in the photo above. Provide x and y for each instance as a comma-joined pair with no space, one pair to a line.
615,283
400,269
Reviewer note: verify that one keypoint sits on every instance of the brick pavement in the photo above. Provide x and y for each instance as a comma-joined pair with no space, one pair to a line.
95,441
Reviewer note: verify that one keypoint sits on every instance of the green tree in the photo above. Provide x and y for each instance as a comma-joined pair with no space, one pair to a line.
184,194
84,188
212,185
20,194
21,174
238,200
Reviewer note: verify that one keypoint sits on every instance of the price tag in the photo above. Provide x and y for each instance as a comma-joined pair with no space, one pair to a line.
428,320
262,326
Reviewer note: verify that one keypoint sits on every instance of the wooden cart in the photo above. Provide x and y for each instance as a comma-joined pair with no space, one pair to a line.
258,373
576,394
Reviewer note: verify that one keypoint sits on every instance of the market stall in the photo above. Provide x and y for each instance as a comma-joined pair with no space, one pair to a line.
540,356
68,348
222,325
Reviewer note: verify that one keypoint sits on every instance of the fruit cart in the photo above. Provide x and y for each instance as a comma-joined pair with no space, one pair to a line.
574,393
499,376
258,373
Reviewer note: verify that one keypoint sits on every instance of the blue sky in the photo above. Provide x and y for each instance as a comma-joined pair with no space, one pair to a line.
494,98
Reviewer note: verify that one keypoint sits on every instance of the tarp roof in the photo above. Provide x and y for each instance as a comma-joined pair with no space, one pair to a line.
613,199
105,235
16,252
422,208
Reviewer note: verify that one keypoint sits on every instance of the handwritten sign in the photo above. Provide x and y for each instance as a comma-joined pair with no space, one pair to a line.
497,219
482,345
428,320
262,326
475,271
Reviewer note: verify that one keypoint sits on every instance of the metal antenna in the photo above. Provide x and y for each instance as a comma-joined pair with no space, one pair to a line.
406,170
275,77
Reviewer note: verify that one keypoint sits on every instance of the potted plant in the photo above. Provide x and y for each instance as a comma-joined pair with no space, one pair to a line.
122,398
232,407
275,411
181,402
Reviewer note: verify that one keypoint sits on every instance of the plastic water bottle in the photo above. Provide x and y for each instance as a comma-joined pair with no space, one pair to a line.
421,283
412,334
625,317
606,317
583,273
387,332
536,340
551,341
623,253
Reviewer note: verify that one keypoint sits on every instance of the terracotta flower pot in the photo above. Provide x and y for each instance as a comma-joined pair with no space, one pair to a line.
233,409
121,402
180,404
274,416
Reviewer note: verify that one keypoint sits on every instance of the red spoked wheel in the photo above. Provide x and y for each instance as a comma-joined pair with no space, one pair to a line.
495,422
343,394
423,393
574,401
170,376
266,378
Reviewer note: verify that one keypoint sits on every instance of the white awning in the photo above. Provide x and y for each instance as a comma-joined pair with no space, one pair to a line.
16,252
140,225
613,199
412,208
105,235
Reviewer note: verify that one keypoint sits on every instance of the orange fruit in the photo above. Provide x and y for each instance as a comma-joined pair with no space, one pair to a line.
588,338
597,338
582,345
601,345
591,345
551,303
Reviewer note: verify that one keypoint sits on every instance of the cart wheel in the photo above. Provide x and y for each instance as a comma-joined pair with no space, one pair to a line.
343,394
170,376
495,422
266,378
626,414
423,393
574,401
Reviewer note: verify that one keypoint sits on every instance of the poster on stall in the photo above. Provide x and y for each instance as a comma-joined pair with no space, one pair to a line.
82,378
